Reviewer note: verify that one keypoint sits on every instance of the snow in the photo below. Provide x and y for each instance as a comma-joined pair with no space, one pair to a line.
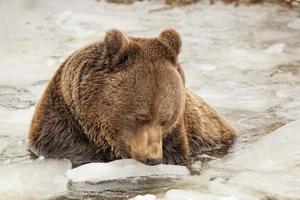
118,169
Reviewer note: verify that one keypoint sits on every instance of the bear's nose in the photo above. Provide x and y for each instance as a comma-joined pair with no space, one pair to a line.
155,161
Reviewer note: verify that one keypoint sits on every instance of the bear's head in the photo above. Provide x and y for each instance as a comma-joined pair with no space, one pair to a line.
137,94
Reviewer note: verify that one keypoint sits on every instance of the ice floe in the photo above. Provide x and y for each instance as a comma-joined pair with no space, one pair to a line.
118,169
33,179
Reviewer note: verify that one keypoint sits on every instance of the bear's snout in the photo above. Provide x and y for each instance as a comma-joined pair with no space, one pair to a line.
147,146
154,161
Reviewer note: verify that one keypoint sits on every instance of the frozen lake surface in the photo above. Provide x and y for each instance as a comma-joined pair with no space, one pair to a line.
242,60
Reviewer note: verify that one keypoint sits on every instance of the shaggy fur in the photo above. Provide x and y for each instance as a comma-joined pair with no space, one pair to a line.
124,97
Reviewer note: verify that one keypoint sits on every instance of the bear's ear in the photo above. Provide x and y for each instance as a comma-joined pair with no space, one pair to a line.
172,39
114,42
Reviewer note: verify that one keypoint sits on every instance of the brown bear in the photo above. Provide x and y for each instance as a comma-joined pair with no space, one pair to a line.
125,97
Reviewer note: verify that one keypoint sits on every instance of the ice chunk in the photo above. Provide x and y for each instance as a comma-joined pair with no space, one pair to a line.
282,185
76,23
41,158
192,195
145,197
203,67
291,110
42,179
275,49
276,151
3,144
220,187
295,24
270,165
15,122
250,98
196,166
124,168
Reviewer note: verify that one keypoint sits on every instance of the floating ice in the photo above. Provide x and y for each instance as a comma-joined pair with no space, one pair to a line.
15,122
192,195
145,197
270,165
291,110
196,166
251,98
3,144
78,24
294,24
33,180
124,168
277,151
275,49
280,185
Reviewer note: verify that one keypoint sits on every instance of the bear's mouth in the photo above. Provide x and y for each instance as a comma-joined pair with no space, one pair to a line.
148,160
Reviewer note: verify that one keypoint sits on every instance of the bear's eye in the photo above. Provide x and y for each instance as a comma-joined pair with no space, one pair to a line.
142,119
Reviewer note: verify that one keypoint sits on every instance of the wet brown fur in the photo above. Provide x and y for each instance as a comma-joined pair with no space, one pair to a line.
106,98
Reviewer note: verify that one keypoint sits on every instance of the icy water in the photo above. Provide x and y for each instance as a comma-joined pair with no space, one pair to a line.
243,60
